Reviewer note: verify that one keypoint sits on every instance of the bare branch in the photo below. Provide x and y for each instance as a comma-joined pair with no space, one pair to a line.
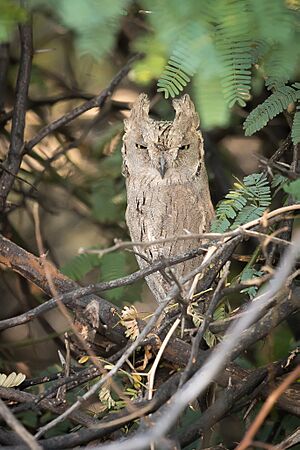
13,422
14,395
290,441
204,326
243,229
15,152
266,408
215,363
96,102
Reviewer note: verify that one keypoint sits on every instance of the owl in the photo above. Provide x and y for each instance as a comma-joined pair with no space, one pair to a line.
167,187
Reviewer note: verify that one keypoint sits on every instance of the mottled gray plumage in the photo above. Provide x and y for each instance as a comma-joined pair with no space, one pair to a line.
167,186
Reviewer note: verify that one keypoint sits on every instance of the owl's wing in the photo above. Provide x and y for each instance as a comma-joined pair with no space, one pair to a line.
124,171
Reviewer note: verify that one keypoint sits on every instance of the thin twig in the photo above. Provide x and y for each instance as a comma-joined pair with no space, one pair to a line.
210,236
15,425
14,395
290,441
215,363
266,408
108,375
171,295
96,102
63,308
73,294
204,325
152,372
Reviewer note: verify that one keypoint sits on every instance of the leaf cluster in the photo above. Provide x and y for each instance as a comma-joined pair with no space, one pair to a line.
225,46
246,202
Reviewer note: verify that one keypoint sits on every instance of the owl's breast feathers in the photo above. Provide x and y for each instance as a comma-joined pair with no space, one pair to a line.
159,211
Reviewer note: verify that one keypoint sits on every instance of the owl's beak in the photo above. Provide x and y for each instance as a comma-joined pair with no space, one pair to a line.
162,168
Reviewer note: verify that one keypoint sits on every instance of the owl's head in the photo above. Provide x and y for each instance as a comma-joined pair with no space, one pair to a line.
168,152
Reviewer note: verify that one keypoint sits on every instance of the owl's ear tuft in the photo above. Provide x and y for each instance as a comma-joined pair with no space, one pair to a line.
185,111
139,112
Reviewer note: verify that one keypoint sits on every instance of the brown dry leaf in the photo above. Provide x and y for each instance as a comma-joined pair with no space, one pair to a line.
129,317
147,357
105,398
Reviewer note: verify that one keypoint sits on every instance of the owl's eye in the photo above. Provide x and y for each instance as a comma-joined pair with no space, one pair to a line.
141,146
184,147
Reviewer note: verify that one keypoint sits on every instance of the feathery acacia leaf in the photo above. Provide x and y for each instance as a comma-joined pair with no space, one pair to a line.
245,203
296,126
271,107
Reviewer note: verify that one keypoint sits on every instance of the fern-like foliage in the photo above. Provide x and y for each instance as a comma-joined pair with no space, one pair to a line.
234,44
279,65
206,90
222,41
293,188
108,267
80,265
215,43
195,46
271,107
236,74
245,203
176,74
248,274
296,126
278,183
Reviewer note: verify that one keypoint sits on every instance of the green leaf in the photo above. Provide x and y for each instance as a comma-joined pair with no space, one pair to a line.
296,126
10,15
107,204
95,23
247,274
80,265
113,265
246,203
210,101
278,180
293,188
271,107
110,266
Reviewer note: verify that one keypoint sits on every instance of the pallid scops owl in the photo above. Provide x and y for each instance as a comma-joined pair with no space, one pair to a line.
167,187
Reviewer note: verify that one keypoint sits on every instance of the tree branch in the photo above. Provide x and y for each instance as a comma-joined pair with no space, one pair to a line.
15,152
11,420
215,363
96,102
